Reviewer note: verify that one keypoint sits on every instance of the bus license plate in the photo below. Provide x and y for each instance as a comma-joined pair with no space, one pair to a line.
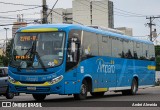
31,88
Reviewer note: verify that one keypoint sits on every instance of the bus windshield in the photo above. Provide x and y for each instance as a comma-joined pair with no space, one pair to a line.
38,50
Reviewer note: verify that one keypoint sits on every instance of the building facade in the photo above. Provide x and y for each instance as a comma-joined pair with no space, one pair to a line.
93,12
86,12
60,15
125,30
16,26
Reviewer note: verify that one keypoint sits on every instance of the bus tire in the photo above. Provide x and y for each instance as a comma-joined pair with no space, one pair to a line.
39,97
133,90
97,94
83,92
9,95
134,87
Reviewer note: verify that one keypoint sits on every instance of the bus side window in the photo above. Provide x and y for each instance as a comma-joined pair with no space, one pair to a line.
151,52
117,47
104,45
138,50
128,49
145,51
89,45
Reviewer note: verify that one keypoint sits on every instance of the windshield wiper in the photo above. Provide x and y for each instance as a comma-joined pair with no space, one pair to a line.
35,53
28,50
40,61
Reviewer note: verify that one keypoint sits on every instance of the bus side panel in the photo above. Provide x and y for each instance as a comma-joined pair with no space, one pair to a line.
103,76
70,81
145,71
101,70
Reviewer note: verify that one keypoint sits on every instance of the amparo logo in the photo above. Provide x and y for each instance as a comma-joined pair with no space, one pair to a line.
105,67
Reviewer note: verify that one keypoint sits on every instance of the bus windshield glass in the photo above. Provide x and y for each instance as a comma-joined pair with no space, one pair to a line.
38,50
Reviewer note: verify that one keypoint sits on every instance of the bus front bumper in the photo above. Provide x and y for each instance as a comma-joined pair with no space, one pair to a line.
52,87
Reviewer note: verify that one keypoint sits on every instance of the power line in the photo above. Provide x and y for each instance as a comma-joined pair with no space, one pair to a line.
26,19
119,13
131,14
21,10
52,8
65,17
151,18
7,17
60,14
15,24
34,13
17,4
125,15
92,7
157,25
158,20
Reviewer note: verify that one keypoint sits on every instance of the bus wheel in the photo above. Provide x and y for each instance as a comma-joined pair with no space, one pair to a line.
97,94
39,97
134,87
83,92
133,90
9,95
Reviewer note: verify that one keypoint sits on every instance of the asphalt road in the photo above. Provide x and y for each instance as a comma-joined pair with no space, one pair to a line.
110,99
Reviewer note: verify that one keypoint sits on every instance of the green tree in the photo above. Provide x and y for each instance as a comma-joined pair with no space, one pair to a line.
4,59
157,54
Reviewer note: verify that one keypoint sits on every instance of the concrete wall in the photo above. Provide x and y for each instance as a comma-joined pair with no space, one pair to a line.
15,27
60,15
87,12
81,11
54,17
100,13
126,31
93,12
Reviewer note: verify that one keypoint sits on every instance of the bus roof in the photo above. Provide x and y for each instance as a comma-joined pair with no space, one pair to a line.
61,27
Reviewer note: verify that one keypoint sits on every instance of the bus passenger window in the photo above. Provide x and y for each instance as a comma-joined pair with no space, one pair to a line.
135,55
128,54
151,52
138,50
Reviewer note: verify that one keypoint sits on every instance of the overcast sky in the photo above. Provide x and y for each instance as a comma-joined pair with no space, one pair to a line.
128,13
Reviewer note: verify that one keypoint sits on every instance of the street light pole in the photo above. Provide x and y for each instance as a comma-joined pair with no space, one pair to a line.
6,39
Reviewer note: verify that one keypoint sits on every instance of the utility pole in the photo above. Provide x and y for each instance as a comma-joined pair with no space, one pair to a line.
44,11
6,39
150,25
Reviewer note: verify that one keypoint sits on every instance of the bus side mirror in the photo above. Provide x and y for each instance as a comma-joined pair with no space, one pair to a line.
73,44
73,47
72,50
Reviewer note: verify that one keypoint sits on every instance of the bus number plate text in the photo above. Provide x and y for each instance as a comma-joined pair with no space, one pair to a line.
31,88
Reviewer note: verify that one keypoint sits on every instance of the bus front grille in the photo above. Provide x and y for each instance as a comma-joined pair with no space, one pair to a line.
38,89
23,82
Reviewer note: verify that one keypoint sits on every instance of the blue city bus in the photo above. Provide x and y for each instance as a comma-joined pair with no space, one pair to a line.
69,59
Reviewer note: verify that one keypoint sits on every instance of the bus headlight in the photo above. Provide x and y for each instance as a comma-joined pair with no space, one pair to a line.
56,80
10,79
